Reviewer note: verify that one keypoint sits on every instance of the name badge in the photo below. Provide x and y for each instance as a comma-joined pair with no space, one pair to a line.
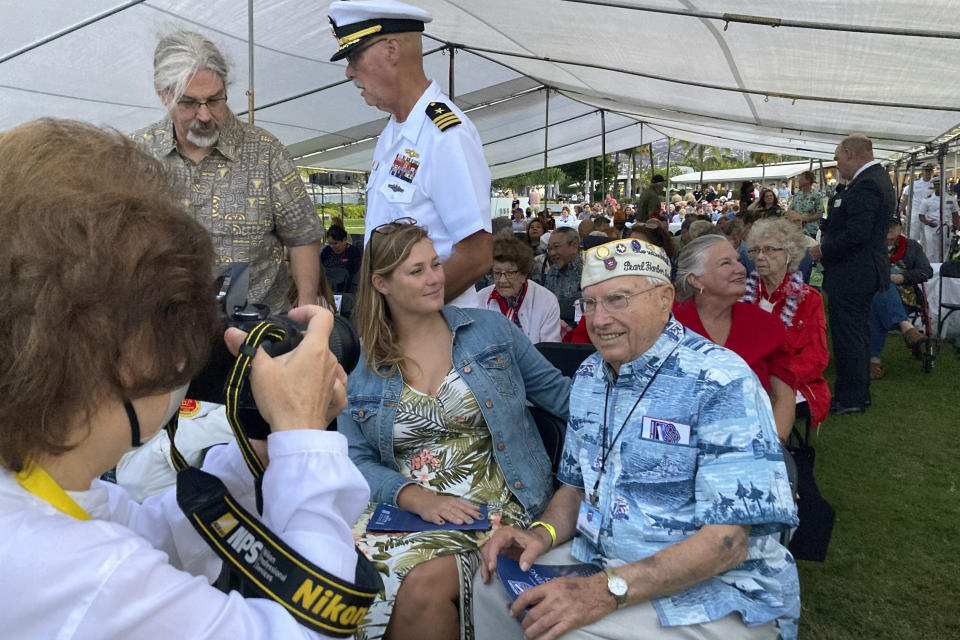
665,431
588,522
837,202
766,305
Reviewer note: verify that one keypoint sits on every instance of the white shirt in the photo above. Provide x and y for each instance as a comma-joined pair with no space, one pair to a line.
569,221
930,208
148,470
141,571
539,314
442,180
921,190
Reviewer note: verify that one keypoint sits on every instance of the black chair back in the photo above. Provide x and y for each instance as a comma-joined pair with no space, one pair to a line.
568,310
565,356
338,278
552,430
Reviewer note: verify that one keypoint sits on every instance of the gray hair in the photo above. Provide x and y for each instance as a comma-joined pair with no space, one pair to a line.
783,231
693,261
181,54
501,225
568,233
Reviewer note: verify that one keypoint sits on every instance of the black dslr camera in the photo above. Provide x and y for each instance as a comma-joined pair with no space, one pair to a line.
211,384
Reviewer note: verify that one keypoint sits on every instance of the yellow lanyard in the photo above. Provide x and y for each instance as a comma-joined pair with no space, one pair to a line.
38,482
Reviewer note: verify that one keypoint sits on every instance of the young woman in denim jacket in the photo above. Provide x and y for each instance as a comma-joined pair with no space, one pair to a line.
437,423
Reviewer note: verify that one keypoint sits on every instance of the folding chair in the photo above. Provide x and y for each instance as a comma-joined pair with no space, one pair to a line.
920,314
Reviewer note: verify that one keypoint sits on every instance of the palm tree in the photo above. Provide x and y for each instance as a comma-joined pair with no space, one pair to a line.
741,493
755,495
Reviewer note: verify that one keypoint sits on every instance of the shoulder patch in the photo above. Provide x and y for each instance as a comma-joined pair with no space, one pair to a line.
442,116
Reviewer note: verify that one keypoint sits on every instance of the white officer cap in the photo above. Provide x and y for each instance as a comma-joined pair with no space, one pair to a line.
354,22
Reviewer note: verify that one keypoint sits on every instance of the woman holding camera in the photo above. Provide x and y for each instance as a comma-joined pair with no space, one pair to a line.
437,423
106,313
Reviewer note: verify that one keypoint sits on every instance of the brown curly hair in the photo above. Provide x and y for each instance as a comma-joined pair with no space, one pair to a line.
106,287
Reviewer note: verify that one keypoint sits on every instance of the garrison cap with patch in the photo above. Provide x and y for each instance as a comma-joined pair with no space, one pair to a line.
627,257
354,22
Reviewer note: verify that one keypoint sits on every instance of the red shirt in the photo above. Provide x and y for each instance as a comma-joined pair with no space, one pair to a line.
756,335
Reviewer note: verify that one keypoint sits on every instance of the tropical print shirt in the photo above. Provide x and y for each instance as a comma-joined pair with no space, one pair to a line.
565,282
698,447
249,196
807,204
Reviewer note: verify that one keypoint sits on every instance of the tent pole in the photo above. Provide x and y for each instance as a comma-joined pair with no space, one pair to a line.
603,152
820,162
546,143
250,106
896,182
910,164
942,157
452,74
669,146
701,169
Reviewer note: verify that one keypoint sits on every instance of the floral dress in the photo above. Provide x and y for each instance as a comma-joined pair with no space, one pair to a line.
442,443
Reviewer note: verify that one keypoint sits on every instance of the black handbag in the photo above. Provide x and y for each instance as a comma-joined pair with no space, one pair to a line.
812,537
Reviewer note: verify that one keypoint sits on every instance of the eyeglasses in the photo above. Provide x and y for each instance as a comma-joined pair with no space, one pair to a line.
753,252
191,106
510,275
354,56
555,246
388,228
612,302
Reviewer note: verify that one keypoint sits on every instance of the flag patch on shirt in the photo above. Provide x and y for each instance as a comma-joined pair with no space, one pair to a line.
665,431
404,167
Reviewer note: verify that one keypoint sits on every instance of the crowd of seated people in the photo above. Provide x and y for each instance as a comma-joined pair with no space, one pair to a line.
438,420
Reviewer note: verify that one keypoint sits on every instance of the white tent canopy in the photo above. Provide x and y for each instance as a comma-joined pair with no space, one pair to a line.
669,64
772,172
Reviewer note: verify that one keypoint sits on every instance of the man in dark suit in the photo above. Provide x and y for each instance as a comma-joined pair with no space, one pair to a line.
853,253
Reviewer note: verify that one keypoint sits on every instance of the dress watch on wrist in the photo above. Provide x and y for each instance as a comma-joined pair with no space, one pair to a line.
617,587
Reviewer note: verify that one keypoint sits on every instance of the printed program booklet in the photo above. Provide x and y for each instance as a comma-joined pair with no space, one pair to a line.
390,518
516,581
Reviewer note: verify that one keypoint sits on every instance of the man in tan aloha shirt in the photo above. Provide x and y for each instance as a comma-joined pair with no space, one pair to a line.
239,182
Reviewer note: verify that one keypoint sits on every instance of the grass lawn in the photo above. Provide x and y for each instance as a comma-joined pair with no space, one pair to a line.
892,474
353,225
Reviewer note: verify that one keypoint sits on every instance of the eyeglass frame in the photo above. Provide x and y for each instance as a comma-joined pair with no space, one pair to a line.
354,56
191,106
510,275
582,302
753,252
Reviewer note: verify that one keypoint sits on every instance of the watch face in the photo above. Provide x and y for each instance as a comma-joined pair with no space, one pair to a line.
617,586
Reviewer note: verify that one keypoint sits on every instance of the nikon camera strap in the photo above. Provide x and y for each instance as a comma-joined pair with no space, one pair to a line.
270,568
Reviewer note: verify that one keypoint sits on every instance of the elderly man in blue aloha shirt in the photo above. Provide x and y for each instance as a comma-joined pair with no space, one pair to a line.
671,448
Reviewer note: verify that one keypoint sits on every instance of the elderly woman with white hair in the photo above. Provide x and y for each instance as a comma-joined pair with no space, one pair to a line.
710,282
777,247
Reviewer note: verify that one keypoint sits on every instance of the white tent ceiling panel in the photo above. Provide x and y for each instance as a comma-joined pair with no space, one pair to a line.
770,172
713,91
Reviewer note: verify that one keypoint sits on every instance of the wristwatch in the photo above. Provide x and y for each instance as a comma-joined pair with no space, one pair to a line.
617,587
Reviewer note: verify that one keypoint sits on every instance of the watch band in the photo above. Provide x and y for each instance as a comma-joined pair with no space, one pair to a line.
617,587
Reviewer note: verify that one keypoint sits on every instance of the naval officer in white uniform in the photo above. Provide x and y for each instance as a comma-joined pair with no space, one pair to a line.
428,164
